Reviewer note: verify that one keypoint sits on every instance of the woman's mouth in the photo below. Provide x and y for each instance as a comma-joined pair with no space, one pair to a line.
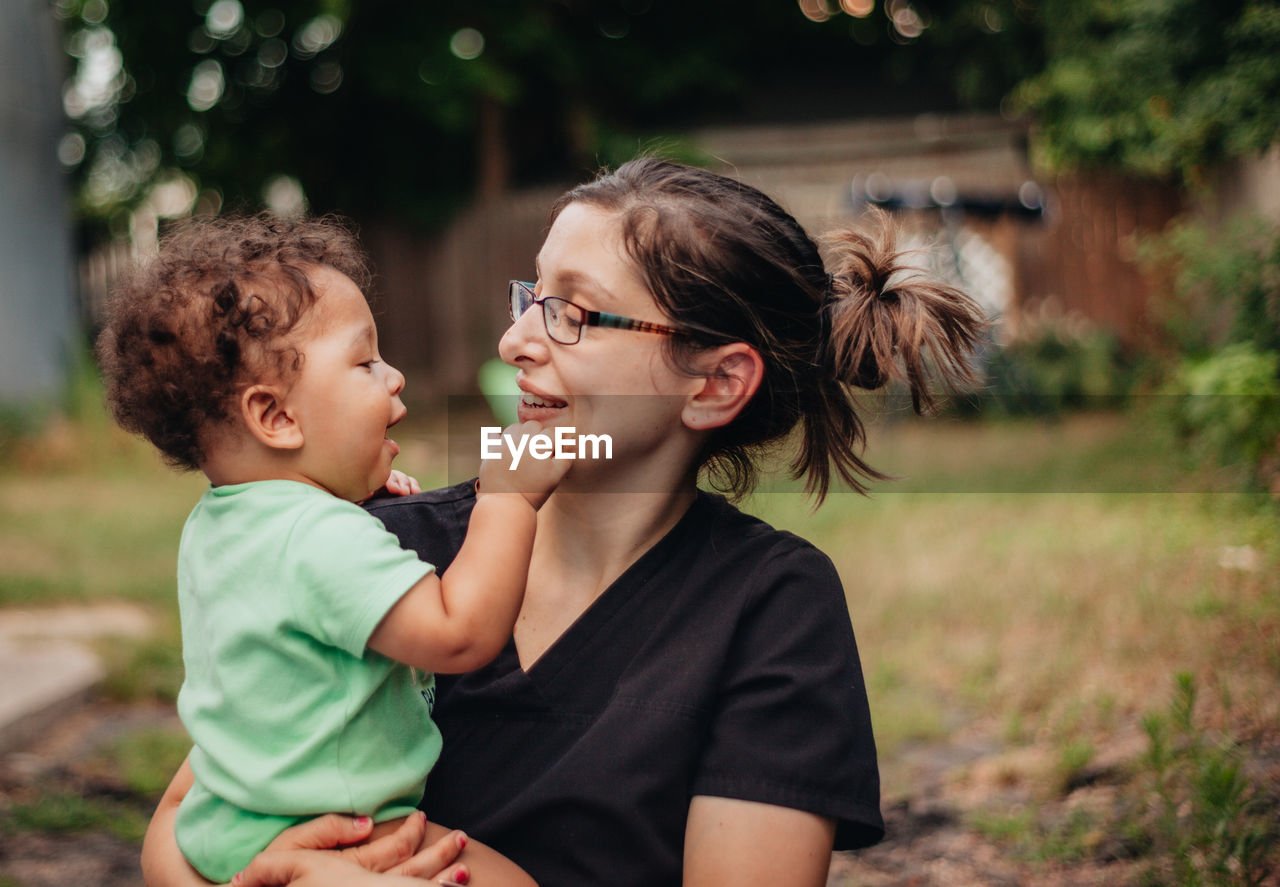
536,406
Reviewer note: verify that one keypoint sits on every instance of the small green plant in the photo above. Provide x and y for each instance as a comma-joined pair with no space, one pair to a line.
1207,824
1074,757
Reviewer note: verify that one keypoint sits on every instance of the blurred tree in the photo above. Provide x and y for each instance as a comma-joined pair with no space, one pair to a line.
407,109
1160,88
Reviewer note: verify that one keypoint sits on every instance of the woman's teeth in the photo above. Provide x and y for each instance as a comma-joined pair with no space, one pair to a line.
534,400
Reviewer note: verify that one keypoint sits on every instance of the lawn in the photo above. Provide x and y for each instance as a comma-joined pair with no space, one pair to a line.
1038,583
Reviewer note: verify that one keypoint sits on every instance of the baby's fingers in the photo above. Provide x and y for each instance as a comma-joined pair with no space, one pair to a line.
402,484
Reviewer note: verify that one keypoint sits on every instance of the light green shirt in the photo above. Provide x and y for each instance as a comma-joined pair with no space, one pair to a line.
279,587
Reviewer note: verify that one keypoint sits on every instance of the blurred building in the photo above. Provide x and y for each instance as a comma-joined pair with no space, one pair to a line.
961,183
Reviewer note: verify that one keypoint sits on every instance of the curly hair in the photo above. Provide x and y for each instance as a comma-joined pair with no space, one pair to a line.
210,315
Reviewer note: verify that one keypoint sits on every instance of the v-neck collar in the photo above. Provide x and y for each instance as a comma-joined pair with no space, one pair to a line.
541,674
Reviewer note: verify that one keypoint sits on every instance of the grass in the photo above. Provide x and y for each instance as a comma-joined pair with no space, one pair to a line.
1041,581
1027,601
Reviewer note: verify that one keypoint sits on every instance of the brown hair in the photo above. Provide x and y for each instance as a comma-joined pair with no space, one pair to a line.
728,264
187,331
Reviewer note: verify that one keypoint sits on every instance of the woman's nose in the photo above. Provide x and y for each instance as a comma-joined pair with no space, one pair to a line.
526,338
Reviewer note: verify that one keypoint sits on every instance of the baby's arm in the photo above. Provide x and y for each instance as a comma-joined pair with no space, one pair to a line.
461,621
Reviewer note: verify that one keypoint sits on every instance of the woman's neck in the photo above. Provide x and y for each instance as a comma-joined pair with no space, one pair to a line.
599,535
585,541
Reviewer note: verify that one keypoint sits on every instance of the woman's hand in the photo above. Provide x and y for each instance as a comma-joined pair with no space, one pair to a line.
403,852
302,868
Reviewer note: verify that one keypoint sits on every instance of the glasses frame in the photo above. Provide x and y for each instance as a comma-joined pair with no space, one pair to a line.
518,289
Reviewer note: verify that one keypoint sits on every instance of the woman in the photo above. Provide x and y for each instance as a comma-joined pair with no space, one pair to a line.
682,700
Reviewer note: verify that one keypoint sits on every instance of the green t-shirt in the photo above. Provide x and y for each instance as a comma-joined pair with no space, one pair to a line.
280,586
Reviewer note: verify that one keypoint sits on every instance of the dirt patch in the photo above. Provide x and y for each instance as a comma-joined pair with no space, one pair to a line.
62,764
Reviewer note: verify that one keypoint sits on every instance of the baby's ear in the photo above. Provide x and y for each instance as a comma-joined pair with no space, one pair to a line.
269,419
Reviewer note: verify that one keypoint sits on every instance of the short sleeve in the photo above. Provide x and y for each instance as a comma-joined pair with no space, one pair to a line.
348,572
793,726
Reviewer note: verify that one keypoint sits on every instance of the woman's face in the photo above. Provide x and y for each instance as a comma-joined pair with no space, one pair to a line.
613,381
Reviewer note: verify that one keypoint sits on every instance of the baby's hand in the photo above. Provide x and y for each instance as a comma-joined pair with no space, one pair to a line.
401,484
398,484
521,471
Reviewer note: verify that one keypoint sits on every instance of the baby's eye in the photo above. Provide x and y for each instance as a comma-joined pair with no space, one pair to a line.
368,364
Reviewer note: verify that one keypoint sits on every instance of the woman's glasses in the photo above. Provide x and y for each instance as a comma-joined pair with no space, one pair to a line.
565,320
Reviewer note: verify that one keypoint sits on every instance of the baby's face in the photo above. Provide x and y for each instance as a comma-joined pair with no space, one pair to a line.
345,397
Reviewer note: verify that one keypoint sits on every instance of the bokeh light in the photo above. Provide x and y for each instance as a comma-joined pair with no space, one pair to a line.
316,35
284,196
224,18
815,10
467,43
858,8
207,85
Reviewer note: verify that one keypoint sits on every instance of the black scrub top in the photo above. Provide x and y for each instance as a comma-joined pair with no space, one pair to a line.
721,663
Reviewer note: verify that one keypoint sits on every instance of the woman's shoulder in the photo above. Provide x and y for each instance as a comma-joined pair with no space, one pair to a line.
432,523
728,524
749,544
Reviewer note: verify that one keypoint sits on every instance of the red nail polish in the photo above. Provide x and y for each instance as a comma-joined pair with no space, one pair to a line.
461,876
362,822
462,842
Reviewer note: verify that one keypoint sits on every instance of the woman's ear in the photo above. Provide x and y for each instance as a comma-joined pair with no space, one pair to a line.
269,418
731,377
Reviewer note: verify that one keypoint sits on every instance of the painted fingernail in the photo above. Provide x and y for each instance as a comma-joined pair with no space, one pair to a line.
362,822
237,878
462,841
461,876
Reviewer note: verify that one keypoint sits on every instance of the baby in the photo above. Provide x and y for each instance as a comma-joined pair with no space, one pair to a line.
247,351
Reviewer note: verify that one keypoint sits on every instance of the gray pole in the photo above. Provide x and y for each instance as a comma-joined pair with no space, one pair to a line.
38,317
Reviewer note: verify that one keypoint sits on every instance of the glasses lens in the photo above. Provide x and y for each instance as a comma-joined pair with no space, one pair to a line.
519,298
563,319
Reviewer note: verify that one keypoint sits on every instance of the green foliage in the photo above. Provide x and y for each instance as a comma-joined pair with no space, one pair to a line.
1054,367
1207,823
1157,88
1224,284
1228,406
1223,315
380,108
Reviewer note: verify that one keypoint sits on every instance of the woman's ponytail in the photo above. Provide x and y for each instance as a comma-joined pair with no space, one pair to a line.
881,322
888,323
